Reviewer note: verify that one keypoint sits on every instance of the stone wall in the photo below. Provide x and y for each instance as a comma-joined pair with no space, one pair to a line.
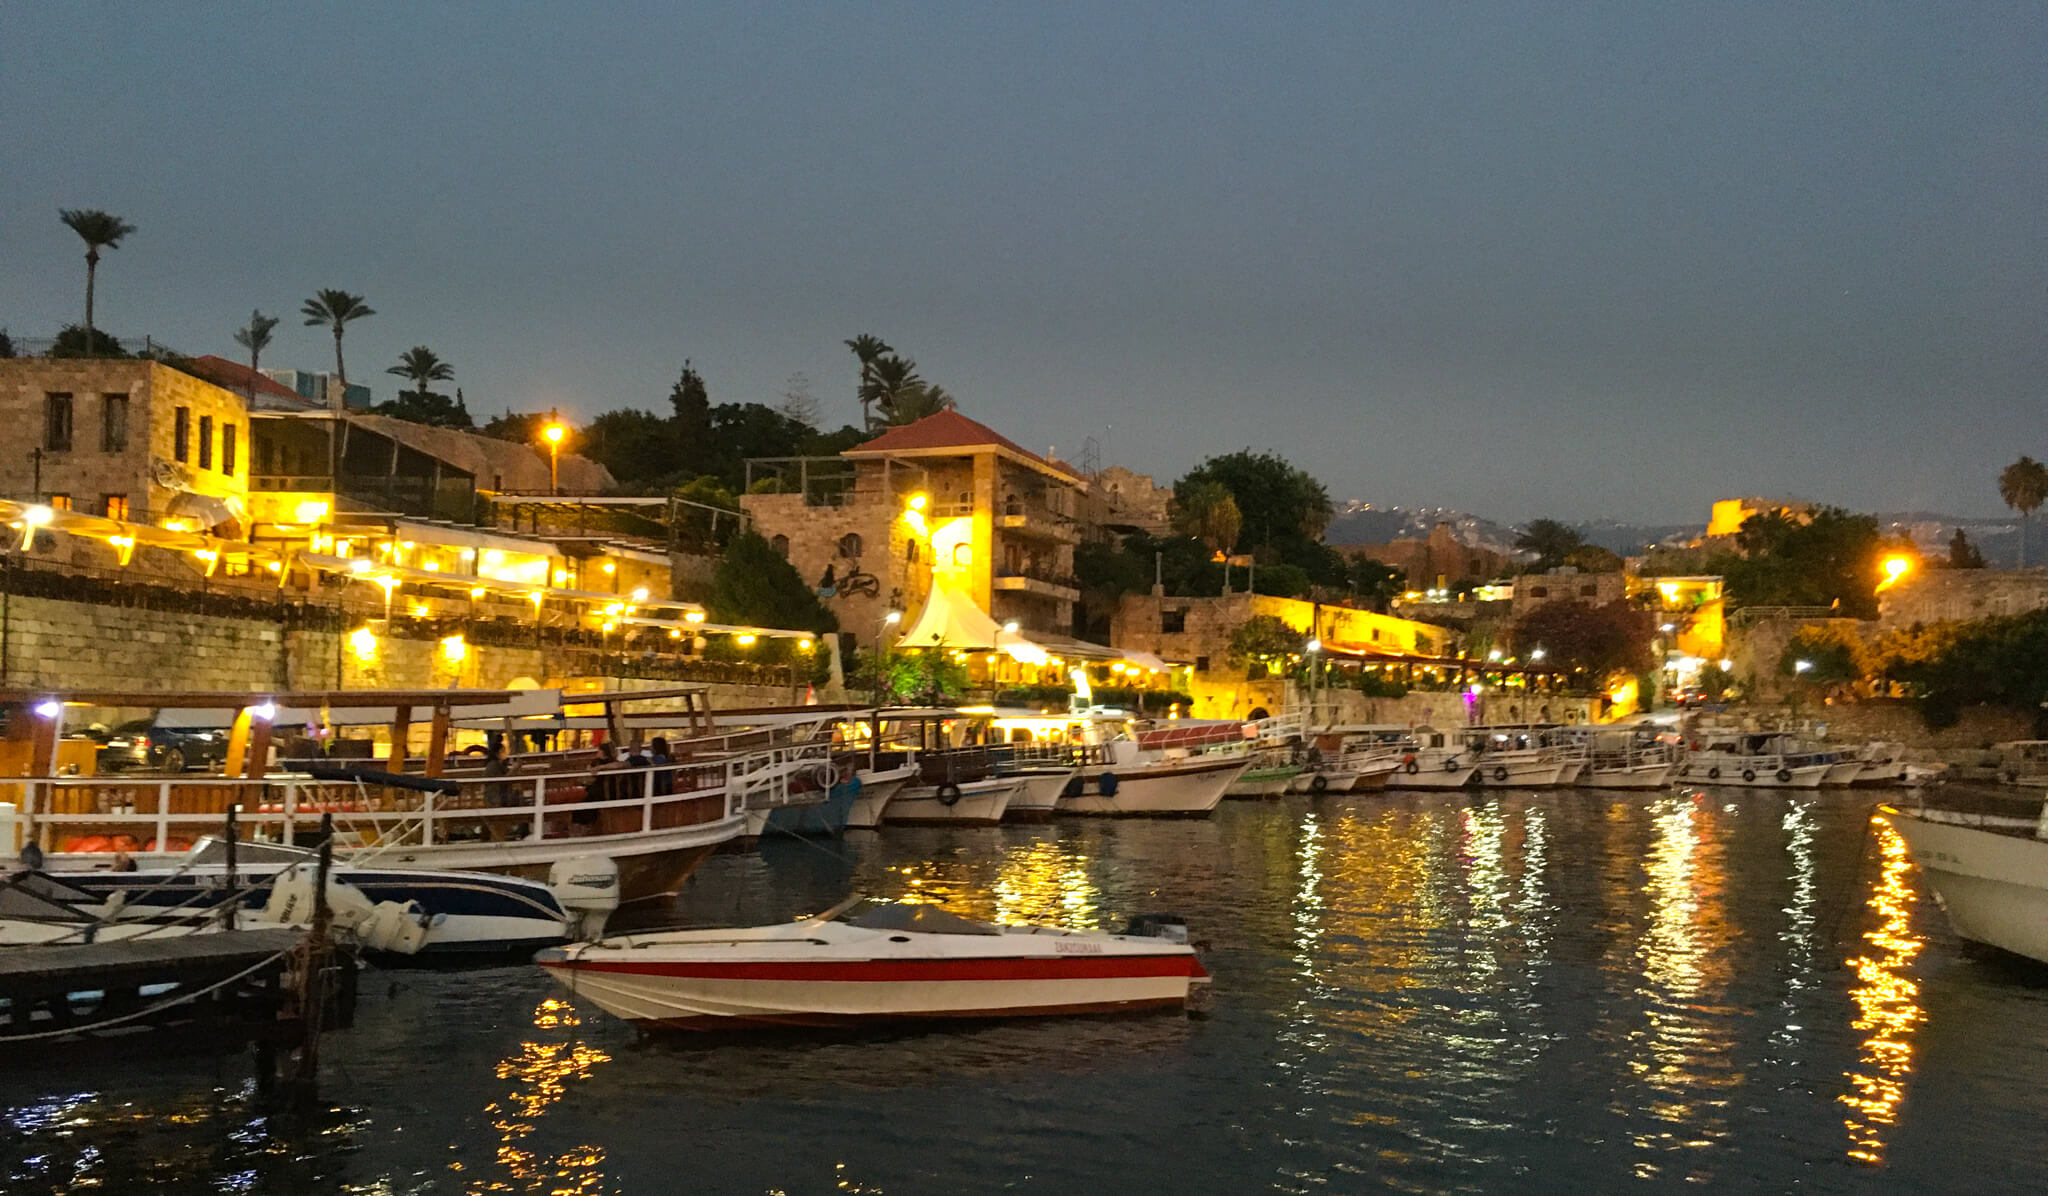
1940,595
77,645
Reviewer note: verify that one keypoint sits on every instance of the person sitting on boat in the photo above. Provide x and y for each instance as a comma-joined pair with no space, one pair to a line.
123,862
658,752
495,765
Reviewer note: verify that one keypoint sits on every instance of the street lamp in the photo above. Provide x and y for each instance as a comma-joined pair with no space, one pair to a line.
882,650
1801,666
553,434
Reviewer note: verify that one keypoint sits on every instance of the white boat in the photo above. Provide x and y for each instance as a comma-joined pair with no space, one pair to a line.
1274,748
1127,769
1990,876
1427,757
1884,763
1754,759
1513,758
889,963
953,803
1190,787
1039,795
1264,776
878,787
1637,757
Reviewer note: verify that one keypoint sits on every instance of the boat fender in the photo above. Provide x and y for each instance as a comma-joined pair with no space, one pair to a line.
1319,784
1500,772
1106,784
1413,767
1714,773
948,794
1451,765
587,889
1749,774
1075,785
824,776
1784,775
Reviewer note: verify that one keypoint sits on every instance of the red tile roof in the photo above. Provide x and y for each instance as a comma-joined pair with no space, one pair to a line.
948,429
233,375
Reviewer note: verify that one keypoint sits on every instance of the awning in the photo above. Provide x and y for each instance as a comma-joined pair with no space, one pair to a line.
951,620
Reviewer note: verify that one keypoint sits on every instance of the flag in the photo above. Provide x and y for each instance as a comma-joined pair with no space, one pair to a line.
810,695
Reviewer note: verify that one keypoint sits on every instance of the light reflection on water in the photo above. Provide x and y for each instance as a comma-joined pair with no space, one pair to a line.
1508,991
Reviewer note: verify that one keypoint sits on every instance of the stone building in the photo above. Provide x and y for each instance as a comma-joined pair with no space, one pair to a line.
1941,595
1728,514
1438,562
841,522
1122,502
1566,584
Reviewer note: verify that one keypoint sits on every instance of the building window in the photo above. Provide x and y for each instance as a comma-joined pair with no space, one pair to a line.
113,423
206,442
60,502
57,423
850,546
781,546
114,506
229,439
1539,592
181,434
1375,635
1173,622
1201,664
910,550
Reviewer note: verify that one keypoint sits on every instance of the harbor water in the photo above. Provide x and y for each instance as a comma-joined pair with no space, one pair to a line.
1549,992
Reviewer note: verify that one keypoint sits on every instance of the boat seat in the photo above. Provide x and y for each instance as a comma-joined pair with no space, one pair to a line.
921,919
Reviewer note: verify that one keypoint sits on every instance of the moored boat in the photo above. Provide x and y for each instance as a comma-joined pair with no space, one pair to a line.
889,963
1987,868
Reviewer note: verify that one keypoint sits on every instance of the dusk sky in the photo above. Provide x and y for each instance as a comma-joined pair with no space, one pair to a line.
1578,260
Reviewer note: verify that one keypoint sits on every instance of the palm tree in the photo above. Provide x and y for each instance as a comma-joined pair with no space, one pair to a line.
422,365
888,379
2024,486
914,402
1550,540
255,338
869,349
95,228
335,309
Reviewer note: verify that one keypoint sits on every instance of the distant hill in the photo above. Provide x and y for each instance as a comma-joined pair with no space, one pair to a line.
1366,523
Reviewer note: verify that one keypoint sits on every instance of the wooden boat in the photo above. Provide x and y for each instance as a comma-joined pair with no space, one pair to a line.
889,963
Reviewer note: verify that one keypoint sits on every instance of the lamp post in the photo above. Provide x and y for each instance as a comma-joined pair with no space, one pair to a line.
882,650
553,434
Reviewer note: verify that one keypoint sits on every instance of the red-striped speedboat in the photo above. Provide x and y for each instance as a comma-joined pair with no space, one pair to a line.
890,962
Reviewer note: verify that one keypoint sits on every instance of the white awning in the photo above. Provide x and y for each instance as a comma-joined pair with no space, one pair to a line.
951,620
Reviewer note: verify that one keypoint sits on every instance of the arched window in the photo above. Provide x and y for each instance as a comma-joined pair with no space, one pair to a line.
781,546
850,546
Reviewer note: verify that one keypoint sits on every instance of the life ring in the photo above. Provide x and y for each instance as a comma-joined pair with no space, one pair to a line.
1413,767
1106,784
1451,765
1784,776
1319,784
1500,773
1749,774
1714,773
948,794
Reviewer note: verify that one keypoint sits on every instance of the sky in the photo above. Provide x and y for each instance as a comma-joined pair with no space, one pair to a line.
1583,261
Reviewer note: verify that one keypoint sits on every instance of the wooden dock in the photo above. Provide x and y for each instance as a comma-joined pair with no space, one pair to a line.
94,990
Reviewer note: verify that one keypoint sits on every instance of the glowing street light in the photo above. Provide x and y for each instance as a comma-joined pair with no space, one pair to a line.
554,433
1801,666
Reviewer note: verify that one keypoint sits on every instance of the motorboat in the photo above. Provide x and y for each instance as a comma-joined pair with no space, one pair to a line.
465,914
1124,768
1638,757
885,962
1513,757
878,788
1759,759
1428,759
1038,797
1274,748
1269,774
1985,857
943,802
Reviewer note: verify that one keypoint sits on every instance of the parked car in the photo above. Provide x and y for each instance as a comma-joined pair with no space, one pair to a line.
141,744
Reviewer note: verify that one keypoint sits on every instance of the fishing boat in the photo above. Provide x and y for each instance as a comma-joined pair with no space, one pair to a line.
1513,757
1985,856
1626,757
878,788
885,963
1428,757
1757,759
1124,768
957,782
1274,747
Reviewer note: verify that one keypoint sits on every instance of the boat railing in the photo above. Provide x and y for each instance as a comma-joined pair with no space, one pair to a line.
63,814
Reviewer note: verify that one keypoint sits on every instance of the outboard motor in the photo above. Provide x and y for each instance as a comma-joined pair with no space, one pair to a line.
587,886
1171,927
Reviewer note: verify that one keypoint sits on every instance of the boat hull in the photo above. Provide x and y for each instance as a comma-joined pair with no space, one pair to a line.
1425,777
1994,887
725,996
1174,789
981,803
1526,774
1262,782
877,790
1806,776
1038,797
1646,776
825,819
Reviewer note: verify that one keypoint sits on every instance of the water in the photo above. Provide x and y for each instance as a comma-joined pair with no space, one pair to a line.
1560,992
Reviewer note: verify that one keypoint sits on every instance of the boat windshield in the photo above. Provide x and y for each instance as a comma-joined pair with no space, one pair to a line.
922,919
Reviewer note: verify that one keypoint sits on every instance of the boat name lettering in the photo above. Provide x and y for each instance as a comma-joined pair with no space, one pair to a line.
1068,947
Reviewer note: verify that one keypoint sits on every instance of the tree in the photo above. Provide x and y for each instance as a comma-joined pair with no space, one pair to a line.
336,309
914,402
6,345
1265,640
754,587
1830,560
797,401
636,446
1551,541
1282,580
1962,554
72,341
690,400
425,407
98,230
1591,558
890,379
422,365
1833,656
2024,487
869,349
2000,661
255,337
1207,512
1377,583
1280,507
517,427
1601,640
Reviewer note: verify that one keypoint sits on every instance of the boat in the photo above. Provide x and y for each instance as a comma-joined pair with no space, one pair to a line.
1511,757
1038,797
954,803
1427,757
1757,759
1985,857
878,788
1274,746
1125,767
1268,774
958,782
886,963
1639,757
2023,762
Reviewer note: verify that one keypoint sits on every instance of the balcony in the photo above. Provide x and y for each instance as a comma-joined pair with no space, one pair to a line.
1061,589
1035,519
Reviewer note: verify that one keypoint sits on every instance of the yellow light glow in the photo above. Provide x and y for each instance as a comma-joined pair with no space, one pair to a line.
38,516
695,616
476,591
363,642
432,566
419,610
675,633
405,546
538,598
804,644
493,558
1895,567
454,649
640,595
554,433
561,577
359,565
275,567
609,626
918,502
310,511
1669,589
963,555
743,639
615,608
610,567
467,554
